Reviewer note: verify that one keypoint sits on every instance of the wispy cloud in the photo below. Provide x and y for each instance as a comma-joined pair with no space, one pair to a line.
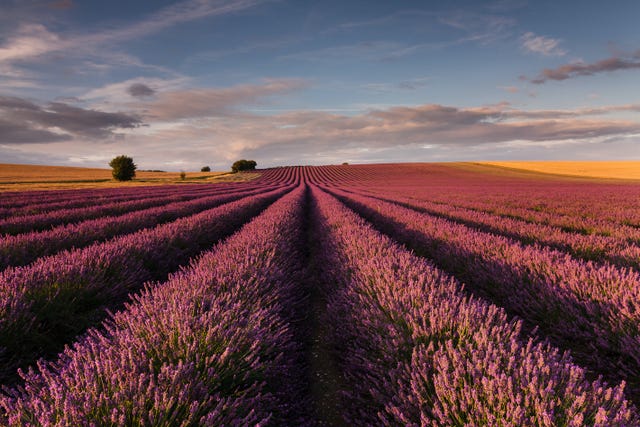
31,40
364,51
34,40
571,70
383,20
410,84
542,45
250,47
179,13
479,27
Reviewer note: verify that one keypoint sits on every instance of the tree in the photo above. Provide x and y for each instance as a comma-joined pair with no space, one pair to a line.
123,168
205,169
243,165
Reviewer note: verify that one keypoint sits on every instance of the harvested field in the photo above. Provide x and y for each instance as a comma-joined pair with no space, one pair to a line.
593,169
15,177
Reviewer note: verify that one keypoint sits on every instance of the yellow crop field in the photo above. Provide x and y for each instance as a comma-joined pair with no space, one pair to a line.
15,177
625,169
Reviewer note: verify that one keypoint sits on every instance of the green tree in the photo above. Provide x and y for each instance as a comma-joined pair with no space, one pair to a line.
205,169
243,165
123,168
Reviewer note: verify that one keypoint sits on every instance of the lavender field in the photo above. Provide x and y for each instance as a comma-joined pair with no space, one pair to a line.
397,294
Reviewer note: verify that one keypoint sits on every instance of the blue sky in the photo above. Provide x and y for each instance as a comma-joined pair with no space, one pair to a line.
182,84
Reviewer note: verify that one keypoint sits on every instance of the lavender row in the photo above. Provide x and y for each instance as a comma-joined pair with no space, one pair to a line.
592,309
620,226
26,198
415,351
580,207
613,204
212,346
45,304
576,222
45,201
86,200
27,247
590,247
38,222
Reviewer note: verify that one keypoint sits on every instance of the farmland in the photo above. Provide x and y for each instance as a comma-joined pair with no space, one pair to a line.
393,294
629,169
15,177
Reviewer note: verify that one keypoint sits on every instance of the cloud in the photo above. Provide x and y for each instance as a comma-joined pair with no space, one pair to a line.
26,122
545,46
568,71
140,90
34,40
323,137
175,14
363,51
112,96
31,40
411,84
23,133
479,27
207,102
423,132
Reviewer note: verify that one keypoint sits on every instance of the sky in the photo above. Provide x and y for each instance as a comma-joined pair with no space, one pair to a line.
178,85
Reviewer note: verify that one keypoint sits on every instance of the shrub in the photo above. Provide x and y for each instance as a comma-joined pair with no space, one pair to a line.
123,168
183,175
205,169
243,165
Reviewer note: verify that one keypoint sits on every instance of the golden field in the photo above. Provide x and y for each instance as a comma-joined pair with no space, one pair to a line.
15,177
624,169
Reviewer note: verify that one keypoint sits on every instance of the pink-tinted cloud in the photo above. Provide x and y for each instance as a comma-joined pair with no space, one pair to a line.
310,133
425,132
31,40
568,71
208,102
542,45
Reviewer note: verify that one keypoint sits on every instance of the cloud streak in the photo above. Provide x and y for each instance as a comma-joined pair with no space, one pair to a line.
31,40
572,70
34,40
542,45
